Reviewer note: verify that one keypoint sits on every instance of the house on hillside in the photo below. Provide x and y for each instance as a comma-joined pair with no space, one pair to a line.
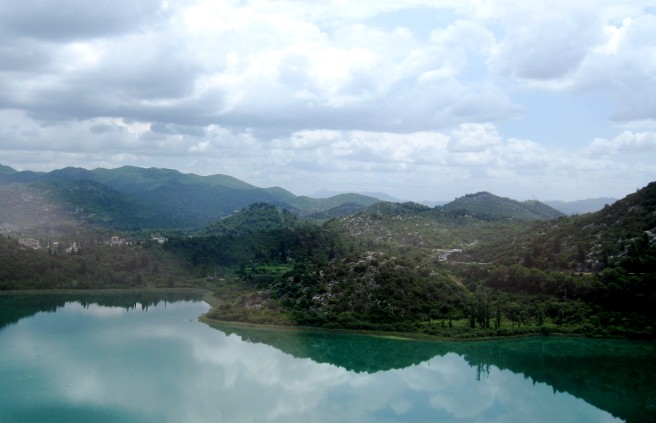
74,248
32,243
158,238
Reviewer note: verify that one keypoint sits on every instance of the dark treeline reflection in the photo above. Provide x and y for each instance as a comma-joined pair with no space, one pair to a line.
19,306
617,376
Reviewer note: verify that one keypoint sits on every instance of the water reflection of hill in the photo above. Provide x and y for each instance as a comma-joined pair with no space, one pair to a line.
616,376
15,307
354,353
613,375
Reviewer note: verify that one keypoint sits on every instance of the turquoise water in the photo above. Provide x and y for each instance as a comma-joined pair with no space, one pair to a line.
139,359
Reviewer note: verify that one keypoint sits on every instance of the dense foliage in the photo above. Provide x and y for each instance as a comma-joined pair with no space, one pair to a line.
622,235
132,198
258,217
486,266
488,206
92,265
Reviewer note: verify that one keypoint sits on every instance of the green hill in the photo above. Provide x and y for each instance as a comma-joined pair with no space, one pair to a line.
484,205
488,266
258,217
162,198
622,234
26,207
6,170
95,203
339,211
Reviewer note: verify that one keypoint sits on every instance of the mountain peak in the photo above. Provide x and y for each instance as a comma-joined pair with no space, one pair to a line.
486,205
6,170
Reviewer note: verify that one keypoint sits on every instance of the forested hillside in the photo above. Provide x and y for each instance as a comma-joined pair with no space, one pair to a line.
484,205
258,217
92,265
481,266
410,268
132,198
622,235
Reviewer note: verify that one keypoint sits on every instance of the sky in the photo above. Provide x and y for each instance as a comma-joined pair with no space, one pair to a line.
421,100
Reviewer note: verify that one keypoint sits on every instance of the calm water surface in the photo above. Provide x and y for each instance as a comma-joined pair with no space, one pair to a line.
140,358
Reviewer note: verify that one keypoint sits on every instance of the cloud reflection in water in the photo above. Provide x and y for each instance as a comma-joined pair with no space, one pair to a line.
162,365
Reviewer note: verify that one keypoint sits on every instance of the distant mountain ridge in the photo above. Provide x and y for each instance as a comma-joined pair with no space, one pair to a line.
589,205
132,197
325,193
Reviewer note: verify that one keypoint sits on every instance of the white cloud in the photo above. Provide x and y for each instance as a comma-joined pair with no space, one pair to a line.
626,142
200,147
545,40
261,65
131,360
343,95
624,67
474,137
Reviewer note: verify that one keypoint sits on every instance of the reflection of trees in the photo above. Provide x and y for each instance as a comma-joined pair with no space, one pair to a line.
616,376
19,306
613,375
482,371
354,353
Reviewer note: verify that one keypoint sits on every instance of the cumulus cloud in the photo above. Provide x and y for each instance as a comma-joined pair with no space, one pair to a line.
248,66
474,137
65,20
332,94
626,142
625,66
545,40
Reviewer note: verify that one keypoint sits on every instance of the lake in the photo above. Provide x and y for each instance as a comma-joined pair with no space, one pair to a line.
145,357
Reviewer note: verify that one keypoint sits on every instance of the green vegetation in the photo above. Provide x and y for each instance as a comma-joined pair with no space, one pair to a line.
133,198
16,307
92,265
258,217
487,206
482,266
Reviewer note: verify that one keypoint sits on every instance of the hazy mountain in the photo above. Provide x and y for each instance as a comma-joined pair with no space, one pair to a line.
581,206
382,196
433,203
134,197
325,193
307,205
56,206
23,206
488,206
339,211
6,170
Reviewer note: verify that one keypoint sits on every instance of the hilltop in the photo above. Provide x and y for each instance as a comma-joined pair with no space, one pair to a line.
484,205
258,217
409,268
623,233
132,198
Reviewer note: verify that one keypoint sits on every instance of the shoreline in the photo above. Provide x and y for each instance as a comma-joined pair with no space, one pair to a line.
398,336
102,291
212,301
